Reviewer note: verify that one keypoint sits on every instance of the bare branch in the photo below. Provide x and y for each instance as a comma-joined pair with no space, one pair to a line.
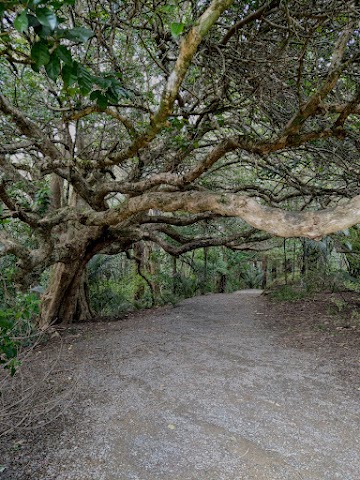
278,222
262,11
29,129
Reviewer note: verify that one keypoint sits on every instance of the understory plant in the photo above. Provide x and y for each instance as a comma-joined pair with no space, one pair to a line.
17,329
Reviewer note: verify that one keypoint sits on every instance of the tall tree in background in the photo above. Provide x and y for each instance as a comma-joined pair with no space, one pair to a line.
124,121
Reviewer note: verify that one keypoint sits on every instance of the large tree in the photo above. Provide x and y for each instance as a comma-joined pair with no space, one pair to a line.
123,121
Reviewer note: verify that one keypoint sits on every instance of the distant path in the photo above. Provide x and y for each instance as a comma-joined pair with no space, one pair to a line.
203,392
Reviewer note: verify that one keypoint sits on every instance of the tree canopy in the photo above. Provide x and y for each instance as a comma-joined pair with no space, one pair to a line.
125,121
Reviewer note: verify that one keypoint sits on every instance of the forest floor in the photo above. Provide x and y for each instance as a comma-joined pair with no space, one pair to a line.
221,387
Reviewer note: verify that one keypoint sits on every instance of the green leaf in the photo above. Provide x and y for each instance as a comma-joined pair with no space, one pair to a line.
69,74
102,82
46,17
33,21
43,32
21,22
85,79
40,54
10,351
34,3
125,93
56,4
176,28
64,54
112,95
100,98
78,34
6,324
5,38
53,67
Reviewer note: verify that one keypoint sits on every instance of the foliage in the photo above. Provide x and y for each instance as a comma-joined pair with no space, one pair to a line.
17,328
287,293
350,240
144,123
109,297
116,287
252,276
307,268
38,33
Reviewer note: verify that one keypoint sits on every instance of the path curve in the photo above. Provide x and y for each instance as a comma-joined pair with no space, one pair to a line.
203,391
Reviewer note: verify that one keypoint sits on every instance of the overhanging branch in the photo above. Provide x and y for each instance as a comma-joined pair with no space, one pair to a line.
276,221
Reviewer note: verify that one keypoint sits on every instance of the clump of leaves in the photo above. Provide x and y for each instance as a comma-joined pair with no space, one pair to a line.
42,26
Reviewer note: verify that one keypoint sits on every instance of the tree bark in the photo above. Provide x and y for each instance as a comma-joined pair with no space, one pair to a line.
65,300
204,279
175,282
264,267
222,283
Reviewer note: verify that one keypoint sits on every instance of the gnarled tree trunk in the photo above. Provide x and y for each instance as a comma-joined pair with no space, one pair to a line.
65,300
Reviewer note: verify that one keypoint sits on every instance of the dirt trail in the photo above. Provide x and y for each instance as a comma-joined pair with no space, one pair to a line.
203,391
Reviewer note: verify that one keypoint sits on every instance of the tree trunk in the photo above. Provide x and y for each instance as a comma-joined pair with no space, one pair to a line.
285,262
65,300
265,272
152,265
204,279
139,256
222,283
175,282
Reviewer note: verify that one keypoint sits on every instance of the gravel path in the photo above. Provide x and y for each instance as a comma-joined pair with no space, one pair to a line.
202,392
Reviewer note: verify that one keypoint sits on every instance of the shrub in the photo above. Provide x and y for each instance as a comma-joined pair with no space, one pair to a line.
252,277
287,293
17,328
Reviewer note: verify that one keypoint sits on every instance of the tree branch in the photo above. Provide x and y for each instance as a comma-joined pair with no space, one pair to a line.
278,222
264,10
29,129
188,48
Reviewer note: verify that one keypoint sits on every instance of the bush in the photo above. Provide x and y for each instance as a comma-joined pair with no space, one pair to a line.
252,277
287,293
17,328
108,297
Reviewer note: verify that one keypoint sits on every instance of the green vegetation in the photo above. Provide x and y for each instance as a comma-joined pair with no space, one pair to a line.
148,276
116,286
17,328
152,151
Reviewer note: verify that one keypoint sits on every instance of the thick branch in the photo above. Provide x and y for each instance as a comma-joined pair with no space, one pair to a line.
16,212
273,220
9,245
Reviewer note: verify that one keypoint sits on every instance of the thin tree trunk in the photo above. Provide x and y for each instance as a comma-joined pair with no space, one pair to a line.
285,262
151,266
265,271
204,279
175,276
222,283
139,256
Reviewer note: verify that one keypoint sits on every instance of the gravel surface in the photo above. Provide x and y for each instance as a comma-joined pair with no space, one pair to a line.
203,391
